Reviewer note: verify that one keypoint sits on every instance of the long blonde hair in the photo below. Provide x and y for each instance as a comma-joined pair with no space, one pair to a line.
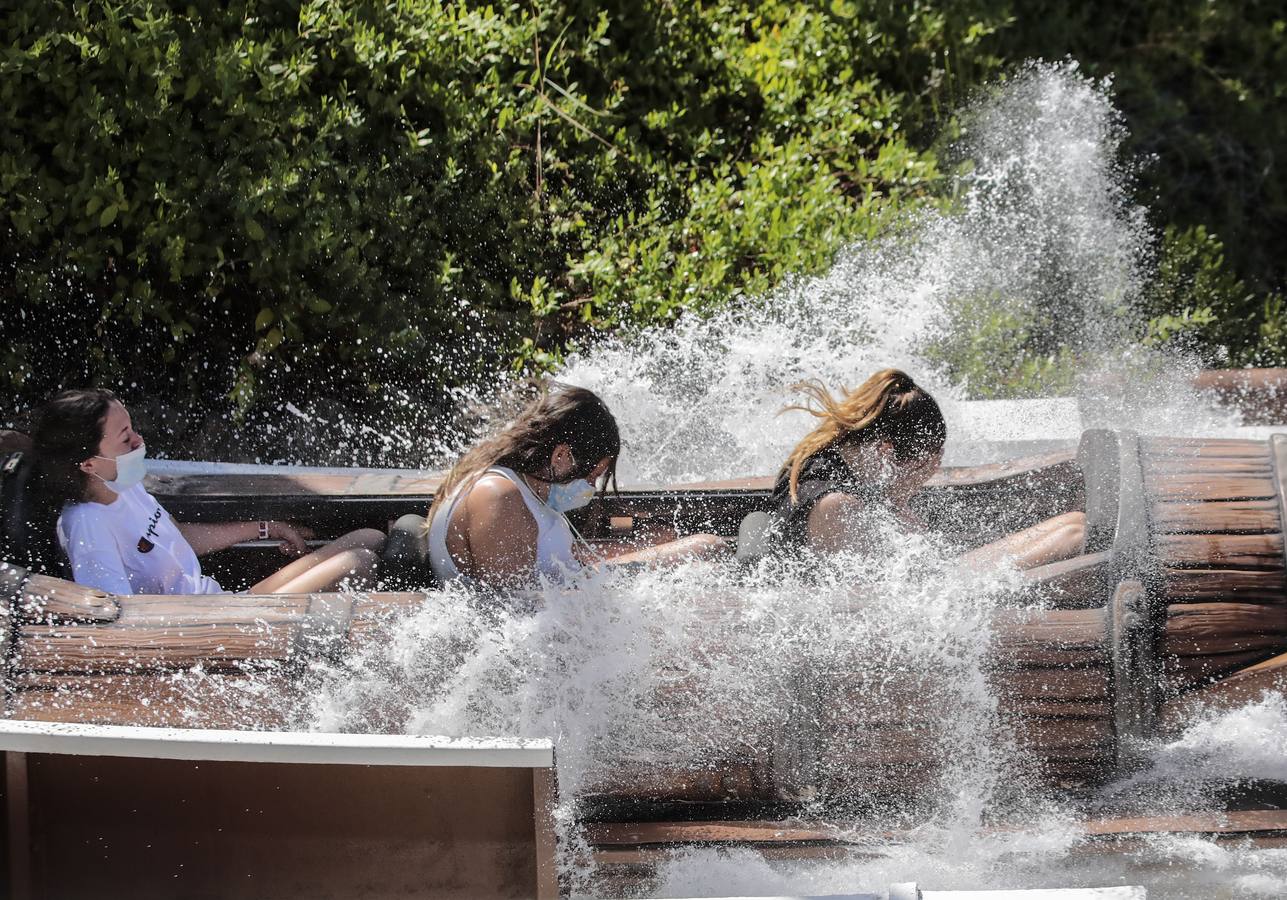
562,414
888,406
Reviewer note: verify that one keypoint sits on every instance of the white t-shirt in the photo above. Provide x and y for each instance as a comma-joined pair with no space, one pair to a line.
131,546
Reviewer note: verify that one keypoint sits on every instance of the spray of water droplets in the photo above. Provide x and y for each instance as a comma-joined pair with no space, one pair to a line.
1042,227
701,669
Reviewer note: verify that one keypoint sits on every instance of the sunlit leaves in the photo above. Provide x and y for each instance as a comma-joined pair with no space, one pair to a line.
272,194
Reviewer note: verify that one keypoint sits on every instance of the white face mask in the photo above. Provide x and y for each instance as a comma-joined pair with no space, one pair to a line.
573,495
130,469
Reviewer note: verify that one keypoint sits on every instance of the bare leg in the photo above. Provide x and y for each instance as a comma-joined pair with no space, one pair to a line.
694,546
354,555
1061,537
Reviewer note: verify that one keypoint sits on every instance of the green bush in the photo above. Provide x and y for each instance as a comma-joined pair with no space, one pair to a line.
998,348
307,188
273,198
1202,85
1199,305
226,204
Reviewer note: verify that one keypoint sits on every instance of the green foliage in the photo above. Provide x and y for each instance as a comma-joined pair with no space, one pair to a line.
1198,304
262,199
995,348
1203,86
334,197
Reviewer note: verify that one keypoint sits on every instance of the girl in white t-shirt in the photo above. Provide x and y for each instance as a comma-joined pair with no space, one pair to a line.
119,539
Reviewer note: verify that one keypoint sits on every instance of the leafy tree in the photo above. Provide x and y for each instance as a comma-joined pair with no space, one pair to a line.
223,204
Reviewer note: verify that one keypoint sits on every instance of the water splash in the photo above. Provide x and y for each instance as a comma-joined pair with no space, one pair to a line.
1222,747
1028,277
678,670
1243,743
1042,231
642,679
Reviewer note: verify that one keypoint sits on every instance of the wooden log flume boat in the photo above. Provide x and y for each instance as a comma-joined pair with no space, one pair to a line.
1181,598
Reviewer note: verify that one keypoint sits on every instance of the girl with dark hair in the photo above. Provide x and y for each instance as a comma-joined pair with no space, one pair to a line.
880,443
499,517
119,539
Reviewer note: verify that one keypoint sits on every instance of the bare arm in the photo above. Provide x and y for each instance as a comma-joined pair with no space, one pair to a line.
835,524
684,549
501,534
1061,537
207,537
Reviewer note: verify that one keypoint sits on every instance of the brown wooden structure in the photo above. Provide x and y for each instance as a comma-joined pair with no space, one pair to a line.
1181,597
161,813
627,852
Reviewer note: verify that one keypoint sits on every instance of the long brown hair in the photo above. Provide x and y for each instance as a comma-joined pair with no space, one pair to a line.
888,406
562,414
67,430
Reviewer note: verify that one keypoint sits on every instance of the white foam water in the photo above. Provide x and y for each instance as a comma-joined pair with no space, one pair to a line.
1043,228
1050,850
640,677
636,676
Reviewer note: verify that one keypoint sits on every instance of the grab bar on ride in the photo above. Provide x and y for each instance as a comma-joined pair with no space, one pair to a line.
274,543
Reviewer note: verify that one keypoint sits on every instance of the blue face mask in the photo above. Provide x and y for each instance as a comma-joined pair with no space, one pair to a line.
573,495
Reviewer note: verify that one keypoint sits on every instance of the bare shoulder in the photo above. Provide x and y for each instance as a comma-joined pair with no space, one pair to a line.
500,531
496,497
837,504
492,487
835,522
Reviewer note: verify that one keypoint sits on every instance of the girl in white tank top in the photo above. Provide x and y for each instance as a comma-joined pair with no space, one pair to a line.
554,454
554,538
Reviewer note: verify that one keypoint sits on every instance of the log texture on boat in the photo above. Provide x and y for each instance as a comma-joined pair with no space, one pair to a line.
184,699
1260,395
625,852
1243,686
1216,510
1185,583
1081,581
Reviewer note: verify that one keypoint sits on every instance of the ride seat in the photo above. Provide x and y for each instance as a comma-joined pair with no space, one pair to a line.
405,559
28,531
755,536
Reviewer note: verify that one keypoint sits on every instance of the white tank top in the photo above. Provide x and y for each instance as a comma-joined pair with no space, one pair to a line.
554,557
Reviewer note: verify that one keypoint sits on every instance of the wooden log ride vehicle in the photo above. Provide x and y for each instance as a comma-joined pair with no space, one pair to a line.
1180,599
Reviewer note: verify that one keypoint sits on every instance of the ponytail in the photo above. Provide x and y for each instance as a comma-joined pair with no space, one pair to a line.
888,407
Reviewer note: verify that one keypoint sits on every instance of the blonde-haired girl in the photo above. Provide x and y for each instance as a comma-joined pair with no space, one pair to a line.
879,444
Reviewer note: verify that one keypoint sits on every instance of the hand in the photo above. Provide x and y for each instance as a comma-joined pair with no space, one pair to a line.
292,538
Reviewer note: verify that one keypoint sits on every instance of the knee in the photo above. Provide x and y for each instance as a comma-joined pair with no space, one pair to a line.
365,539
708,545
362,560
411,523
408,540
1072,523
1071,528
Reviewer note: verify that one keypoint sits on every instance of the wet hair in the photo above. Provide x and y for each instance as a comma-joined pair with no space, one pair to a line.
562,414
66,431
888,406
